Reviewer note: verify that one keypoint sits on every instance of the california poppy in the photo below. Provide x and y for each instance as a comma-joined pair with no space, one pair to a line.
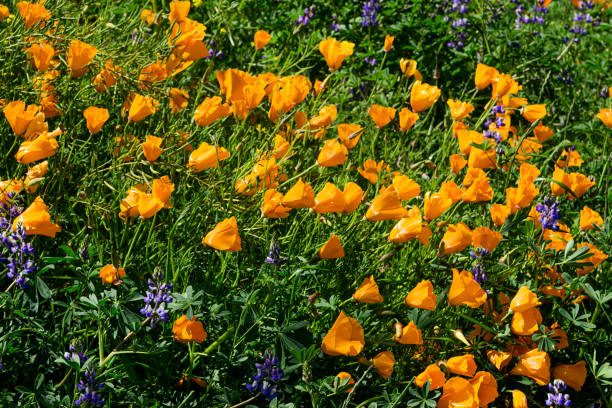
409,334
33,13
484,76
96,118
79,55
332,249
36,220
272,207
570,157
422,296
542,133
457,163
150,204
381,115
107,77
605,115
524,300
325,117
534,112
111,274
459,110
502,85
486,388
588,218
152,148
345,338
406,187
18,116
407,228
500,359
43,146
482,159
486,238
597,257
409,68
386,206
462,365
4,12
465,290
349,134
466,138
458,392
207,156
521,196
141,107
224,236
353,194
435,204
423,96
519,400
210,110
368,292
371,170
384,362
178,11
147,16
526,323
330,199
480,190
42,54
261,39
574,375
34,177
456,238
433,375
407,119
186,331
388,42
534,364
300,195
178,100
335,52
333,154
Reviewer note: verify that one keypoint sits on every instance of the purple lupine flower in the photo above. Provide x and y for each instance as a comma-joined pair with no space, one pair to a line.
89,389
549,213
274,256
334,26
75,350
371,61
565,77
605,93
556,397
158,295
266,376
491,134
369,11
306,17
478,272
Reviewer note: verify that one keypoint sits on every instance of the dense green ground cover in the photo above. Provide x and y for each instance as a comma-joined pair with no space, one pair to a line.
248,306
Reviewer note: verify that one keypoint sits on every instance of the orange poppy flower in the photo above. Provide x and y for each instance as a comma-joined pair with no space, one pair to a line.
456,238
42,54
318,87
465,290
326,116
300,195
559,335
458,126
96,118
500,359
224,236
480,190
332,249
141,107
368,292
407,334
33,13
589,218
574,375
457,163
578,183
330,199
384,362
595,259
534,112
333,154
4,12
18,116
281,146
36,220
526,323
482,159
150,204
107,76
345,338
409,68
335,52
472,175
542,133
178,100
207,156
462,365
349,134
422,296
152,148
371,170
435,204
129,204
502,85
485,238
341,379
210,110
111,274
521,196
271,206
43,146
353,194
79,55
466,138
534,364
519,400
407,228
388,43
381,115
459,110
433,375
486,388
406,187
528,173
524,300
386,206
407,119
484,76
423,96
458,392
147,16
558,239
34,177
605,115
261,39
178,11
186,331
569,158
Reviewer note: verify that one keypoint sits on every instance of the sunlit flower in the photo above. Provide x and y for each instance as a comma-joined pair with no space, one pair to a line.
368,292
332,249
185,330
344,338
111,274
335,52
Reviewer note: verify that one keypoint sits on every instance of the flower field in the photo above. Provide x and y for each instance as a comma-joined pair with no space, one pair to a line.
373,204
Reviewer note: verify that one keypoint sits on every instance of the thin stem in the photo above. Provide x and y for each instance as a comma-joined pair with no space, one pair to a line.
243,403
348,398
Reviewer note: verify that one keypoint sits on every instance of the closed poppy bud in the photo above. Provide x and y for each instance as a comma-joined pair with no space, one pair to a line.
152,148
456,238
423,96
178,100
261,39
96,118
186,331
111,274
332,249
19,117
224,236
300,195
207,156
79,55
386,206
408,67
43,146
42,54
349,380
524,300
407,228
330,199
349,134
335,52
484,76
485,238
595,259
459,110
526,323
605,115
457,163
141,107
371,170
333,154
422,296
573,375
409,335
388,42
435,204
407,119
271,206
534,364
384,362
381,115
33,177
500,359
589,217
534,112
210,110
36,220
458,392
519,400
353,194
318,87
345,338
502,85
368,292
462,365
465,290
433,375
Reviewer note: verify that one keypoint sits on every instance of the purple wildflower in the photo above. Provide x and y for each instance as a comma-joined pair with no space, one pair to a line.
369,11
90,388
556,397
266,376
549,213
158,295
308,15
